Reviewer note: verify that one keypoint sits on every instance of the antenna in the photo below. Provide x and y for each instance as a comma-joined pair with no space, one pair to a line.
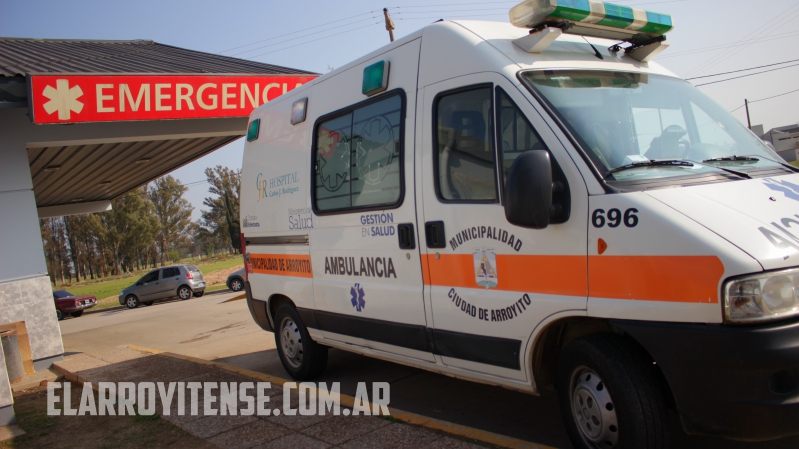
389,24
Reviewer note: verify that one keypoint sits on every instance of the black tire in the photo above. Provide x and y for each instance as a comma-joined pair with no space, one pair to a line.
303,358
236,285
59,314
77,314
148,303
184,292
199,294
616,385
132,301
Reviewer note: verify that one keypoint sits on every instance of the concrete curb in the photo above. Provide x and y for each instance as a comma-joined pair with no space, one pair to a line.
349,401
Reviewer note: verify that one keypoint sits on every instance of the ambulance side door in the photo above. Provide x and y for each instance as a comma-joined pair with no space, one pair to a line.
364,242
490,283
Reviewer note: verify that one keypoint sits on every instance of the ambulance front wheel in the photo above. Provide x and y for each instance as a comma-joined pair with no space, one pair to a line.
302,357
609,395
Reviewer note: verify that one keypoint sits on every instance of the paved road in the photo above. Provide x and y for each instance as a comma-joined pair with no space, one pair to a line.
213,327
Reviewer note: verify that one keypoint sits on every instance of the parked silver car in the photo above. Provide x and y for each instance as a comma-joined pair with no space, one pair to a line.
235,281
182,281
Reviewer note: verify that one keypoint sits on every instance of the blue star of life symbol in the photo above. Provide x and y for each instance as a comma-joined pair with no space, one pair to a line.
357,297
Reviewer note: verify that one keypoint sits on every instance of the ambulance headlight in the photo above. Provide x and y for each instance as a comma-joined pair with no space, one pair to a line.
762,297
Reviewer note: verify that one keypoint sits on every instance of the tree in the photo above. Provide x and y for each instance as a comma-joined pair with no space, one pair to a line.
124,227
222,218
172,212
55,250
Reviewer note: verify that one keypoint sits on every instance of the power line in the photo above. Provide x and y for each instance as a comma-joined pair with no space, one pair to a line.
454,18
455,4
744,76
300,31
742,41
763,99
302,37
515,2
313,40
727,45
741,70
449,11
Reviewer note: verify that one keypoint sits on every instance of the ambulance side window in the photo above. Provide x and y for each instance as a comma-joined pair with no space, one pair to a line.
357,157
516,135
464,146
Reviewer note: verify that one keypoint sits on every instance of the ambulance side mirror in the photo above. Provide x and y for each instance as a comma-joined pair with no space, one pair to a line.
528,190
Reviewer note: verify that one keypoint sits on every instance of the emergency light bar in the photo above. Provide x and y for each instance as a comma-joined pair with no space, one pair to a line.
591,18
549,18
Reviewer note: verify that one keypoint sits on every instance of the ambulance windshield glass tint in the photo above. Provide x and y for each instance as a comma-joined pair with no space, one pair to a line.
358,157
625,118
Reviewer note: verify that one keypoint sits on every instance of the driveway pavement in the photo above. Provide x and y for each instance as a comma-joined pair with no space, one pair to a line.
214,328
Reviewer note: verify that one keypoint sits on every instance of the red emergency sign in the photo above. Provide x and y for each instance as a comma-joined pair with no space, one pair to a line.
111,98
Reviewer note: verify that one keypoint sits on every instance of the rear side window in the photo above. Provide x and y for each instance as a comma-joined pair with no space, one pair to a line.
465,157
358,157
171,272
192,268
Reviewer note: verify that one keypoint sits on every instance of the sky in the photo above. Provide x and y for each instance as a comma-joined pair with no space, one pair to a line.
710,37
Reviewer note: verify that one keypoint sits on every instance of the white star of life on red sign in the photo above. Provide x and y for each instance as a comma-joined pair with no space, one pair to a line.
63,99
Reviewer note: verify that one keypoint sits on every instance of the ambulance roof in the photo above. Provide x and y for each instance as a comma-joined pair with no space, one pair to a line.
568,51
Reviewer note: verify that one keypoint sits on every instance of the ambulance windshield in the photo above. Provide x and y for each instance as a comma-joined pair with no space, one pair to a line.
638,126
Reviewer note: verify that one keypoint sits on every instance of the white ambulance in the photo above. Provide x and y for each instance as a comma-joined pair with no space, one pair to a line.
533,205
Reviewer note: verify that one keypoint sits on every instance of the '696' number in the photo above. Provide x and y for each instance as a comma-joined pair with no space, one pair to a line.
615,218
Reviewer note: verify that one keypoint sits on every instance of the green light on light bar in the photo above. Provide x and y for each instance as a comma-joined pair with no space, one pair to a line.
375,78
252,130
591,15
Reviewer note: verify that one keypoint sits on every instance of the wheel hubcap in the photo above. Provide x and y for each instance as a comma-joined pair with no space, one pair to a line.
236,285
184,293
593,409
291,342
131,302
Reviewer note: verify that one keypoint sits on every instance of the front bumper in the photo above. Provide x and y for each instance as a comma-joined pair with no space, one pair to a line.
735,382
85,305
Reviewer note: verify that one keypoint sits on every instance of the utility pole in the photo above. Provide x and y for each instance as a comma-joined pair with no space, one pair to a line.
748,122
389,24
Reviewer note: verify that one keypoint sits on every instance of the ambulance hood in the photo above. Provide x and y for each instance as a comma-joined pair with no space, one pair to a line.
759,216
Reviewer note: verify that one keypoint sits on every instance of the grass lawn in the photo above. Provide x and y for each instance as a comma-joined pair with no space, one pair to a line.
111,286
794,163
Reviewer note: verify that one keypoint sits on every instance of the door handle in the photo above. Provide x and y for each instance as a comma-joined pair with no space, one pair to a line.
406,237
434,234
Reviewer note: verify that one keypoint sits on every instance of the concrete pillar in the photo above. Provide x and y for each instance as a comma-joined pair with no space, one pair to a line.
25,293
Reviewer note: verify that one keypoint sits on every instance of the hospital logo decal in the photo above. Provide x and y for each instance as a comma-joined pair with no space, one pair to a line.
357,297
485,267
789,189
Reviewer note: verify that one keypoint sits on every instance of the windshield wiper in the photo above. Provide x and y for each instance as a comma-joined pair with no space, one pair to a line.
729,170
751,159
732,158
661,162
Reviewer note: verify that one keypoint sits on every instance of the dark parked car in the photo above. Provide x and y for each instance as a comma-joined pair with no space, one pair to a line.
182,281
67,303
235,281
